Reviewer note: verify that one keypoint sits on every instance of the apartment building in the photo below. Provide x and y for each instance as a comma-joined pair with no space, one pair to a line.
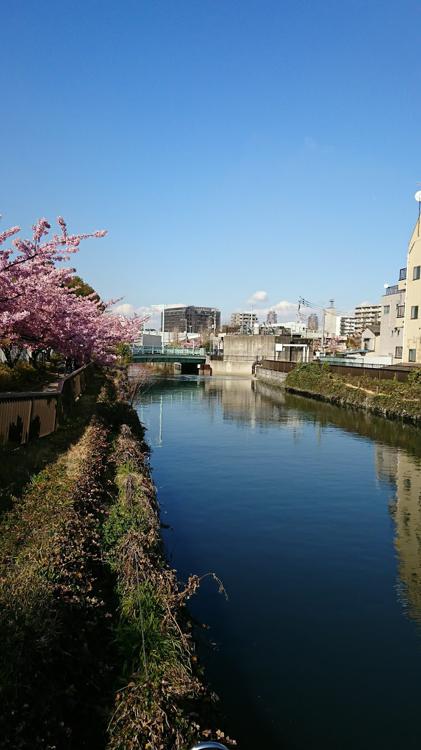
366,315
392,318
400,318
313,322
347,325
191,319
244,320
412,310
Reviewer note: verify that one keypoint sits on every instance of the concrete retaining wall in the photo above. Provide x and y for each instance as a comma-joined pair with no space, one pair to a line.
232,368
271,376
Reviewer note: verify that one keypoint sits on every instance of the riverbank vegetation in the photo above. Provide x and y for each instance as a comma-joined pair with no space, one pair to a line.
387,398
96,643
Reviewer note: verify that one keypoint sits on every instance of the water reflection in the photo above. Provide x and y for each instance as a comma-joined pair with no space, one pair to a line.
254,404
403,472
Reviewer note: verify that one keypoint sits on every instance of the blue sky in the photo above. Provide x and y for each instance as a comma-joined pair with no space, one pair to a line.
228,146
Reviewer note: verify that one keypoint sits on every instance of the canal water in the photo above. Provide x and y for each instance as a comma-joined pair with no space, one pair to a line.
311,517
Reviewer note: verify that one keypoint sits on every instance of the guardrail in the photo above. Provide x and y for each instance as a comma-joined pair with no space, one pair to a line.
34,414
277,365
168,350
377,372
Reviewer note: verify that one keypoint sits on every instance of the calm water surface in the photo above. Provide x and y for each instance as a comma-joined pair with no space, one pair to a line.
311,517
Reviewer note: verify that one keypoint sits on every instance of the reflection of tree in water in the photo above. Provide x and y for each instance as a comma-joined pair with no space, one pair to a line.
404,472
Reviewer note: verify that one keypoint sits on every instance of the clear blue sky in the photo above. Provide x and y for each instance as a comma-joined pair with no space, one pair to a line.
228,146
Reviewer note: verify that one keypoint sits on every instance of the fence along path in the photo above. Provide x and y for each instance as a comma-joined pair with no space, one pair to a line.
34,414
388,372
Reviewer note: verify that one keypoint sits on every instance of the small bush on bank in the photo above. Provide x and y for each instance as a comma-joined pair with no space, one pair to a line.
22,377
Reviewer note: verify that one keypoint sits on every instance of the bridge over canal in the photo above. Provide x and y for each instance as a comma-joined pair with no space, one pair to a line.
189,359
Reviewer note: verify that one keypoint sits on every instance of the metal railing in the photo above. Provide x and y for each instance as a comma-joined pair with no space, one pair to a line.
28,415
169,351
392,289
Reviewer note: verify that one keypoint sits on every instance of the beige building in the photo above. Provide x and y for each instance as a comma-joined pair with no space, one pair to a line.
403,471
370,338
392,317
412,320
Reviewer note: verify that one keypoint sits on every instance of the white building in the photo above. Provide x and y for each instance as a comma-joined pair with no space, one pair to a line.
244,320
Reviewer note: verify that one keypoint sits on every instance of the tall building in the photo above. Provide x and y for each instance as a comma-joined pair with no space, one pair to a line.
331,320
365,316
347,325
271,318
400,322
191,319
412,309
245,321
313,322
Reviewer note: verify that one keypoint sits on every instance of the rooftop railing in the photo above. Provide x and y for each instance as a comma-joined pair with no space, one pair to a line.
392,289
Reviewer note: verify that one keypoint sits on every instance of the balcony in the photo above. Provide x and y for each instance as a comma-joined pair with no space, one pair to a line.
402,274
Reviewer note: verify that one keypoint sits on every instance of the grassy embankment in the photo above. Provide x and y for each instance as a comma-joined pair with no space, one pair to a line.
96,651
387,398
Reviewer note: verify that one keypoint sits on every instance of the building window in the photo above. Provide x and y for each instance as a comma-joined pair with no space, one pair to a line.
402,274
416,273
386,309
414,312
398,352
400,311
412,355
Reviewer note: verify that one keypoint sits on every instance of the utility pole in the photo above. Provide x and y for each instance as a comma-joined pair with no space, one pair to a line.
322,343
163,329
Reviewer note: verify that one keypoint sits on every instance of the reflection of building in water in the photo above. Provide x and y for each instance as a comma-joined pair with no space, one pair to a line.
249,402
404,470
240,402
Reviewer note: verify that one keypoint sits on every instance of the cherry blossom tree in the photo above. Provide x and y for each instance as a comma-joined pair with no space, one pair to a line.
40,309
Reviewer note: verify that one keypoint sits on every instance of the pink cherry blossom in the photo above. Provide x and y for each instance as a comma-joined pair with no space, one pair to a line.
38,310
